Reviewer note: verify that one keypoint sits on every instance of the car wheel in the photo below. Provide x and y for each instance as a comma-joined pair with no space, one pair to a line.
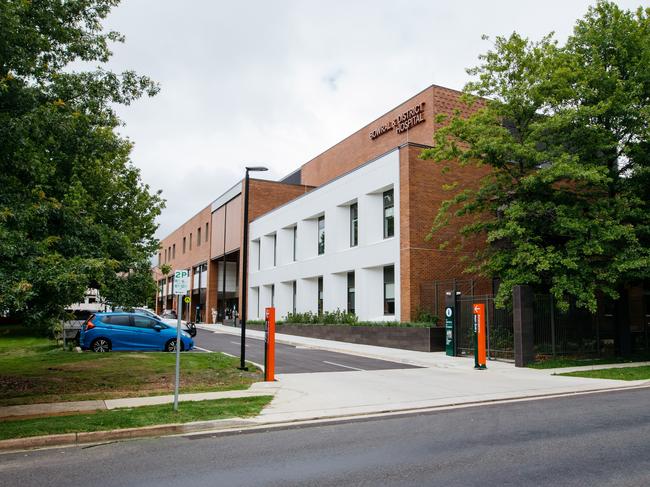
101,345
170,346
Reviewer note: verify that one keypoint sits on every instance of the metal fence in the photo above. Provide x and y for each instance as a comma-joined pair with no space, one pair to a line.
575,331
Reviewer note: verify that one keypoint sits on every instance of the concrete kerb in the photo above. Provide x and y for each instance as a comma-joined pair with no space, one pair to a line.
239,425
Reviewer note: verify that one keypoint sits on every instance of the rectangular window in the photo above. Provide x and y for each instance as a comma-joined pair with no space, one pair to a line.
259,255
320,295
389,218
190,241
165,255
351,308
198,237
389,290
321,235
184,244
293,302
354,225
159,259
206,232
295,241
174,251
275,249
272,295
169,253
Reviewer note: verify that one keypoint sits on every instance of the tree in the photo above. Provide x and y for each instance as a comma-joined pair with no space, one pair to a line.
564,131
74,212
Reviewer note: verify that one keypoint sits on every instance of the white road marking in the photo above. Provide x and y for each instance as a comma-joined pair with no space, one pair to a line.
229,354
239,343
203,349
341,365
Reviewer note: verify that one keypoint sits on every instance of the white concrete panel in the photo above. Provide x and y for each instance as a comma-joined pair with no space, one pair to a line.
253,300
365,185
335,291
307,295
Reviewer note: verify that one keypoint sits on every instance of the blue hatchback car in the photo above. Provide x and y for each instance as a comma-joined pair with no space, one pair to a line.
103,332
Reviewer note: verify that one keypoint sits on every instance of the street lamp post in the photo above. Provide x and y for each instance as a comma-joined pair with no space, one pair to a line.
244,281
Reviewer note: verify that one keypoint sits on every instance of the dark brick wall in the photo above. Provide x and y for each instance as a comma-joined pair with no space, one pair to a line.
418,339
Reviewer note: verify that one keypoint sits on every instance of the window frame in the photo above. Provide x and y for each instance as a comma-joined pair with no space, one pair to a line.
388,301
321,288
321,231
351,293
389,230
354,225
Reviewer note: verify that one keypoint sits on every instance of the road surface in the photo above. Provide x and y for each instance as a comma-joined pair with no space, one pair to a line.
587,440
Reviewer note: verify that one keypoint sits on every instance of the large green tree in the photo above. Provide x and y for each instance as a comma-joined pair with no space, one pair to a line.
74,212
564,130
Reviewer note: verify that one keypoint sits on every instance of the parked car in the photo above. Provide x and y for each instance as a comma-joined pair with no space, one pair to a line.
103,332
187,327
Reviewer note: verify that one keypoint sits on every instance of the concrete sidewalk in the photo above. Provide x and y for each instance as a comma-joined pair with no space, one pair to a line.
442,381
49,409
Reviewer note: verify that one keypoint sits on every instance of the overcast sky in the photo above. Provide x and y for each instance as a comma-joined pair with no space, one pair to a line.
278,82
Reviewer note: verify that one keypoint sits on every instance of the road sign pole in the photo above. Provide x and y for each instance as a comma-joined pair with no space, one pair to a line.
179,307
181,286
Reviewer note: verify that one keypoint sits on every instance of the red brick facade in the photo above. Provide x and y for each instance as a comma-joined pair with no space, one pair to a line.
409,127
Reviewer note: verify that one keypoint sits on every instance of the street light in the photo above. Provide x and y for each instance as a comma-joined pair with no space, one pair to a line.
244,281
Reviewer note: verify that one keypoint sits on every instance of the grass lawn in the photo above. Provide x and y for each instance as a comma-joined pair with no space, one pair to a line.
623,373
134,417
36,370
559,362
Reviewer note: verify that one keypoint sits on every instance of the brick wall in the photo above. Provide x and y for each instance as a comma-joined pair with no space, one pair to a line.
421,195
199,253
265,196
359,148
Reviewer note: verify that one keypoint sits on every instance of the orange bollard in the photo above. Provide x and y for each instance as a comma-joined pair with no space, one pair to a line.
269,345
481,336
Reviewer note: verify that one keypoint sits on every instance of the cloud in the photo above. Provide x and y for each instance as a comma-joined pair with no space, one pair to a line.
279,82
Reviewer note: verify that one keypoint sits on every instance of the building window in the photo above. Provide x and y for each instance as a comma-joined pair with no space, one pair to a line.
272,295
321,235
275,249
159,259
183,244
174,251
259,255
206,232
354,225
169,253
389,290
351,308
165,255
295,241
320,295
389,211
190,241
198,237
294,295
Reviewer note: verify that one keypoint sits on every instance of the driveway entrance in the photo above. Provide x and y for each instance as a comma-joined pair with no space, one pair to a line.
290,359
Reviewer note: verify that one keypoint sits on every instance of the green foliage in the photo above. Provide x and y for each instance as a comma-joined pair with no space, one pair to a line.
425,316
560,135
337,317
74,212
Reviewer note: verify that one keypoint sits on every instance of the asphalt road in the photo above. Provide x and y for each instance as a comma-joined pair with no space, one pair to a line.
290,359
589,440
